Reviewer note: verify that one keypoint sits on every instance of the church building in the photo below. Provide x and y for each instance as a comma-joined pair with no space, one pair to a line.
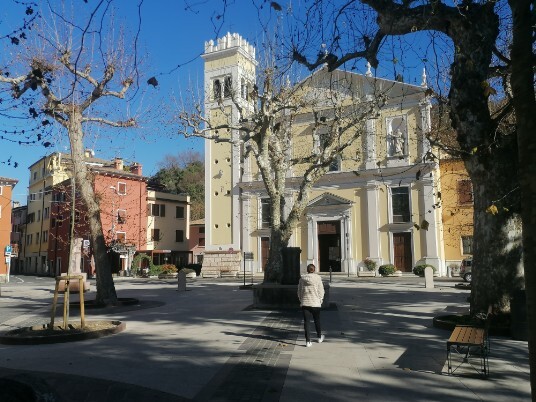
379,202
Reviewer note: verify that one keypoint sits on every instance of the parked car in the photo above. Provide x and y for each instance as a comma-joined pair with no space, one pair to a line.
465,269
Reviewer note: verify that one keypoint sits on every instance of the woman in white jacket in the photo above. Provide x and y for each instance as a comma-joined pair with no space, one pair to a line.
311,295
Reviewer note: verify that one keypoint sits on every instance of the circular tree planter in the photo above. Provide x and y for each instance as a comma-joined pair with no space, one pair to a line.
121,302
41,334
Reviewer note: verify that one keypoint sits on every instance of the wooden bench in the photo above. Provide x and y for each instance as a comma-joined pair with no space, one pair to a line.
470,341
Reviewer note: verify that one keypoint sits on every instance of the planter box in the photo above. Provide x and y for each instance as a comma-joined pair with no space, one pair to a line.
366,273
167,276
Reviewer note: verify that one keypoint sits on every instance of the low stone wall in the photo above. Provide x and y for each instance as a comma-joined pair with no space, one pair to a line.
273,295
221,263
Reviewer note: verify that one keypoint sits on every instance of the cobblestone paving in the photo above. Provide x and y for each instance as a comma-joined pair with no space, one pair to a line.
259,373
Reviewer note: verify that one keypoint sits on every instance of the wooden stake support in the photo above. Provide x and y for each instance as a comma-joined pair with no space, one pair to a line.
66,293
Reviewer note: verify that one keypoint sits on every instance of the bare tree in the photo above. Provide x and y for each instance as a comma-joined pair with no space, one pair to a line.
475,32
73,75
335,113
489,156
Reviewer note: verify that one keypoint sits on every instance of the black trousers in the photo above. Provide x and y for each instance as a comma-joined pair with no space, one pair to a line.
315,312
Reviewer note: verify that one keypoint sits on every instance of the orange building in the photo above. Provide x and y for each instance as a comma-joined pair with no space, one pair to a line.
123,211
6,189
457,211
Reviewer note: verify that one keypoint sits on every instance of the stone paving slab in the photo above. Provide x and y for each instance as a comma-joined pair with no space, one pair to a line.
259,373
205,345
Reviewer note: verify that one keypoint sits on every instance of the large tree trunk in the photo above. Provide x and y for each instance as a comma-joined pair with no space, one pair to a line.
274,267
497,249
105,285
491,164
525,107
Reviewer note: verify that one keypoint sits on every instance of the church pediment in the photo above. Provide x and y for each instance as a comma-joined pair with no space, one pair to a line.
329,200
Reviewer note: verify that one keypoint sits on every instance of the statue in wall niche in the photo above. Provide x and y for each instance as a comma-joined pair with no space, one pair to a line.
53,163
397,142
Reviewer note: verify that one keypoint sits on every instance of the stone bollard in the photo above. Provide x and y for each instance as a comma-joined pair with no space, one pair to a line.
181,277
429,278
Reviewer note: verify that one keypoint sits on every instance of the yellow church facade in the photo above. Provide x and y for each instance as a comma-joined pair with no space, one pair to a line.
379,201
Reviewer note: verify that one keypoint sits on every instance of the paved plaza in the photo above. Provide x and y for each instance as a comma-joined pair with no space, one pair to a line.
207,344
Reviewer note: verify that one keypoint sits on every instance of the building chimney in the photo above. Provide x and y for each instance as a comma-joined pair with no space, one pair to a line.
118,164
89,153
135,168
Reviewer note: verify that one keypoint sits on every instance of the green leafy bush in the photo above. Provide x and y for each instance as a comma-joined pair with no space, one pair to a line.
137,263
386,270
419,269
370,264
155,270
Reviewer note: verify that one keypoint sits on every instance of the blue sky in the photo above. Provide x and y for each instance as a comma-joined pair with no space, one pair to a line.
171,38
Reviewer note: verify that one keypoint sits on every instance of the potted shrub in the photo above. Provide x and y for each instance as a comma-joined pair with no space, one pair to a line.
386,270
168,271
419,269
370,266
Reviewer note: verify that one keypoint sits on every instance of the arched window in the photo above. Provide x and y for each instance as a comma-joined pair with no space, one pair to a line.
243,89
227,87
216,87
